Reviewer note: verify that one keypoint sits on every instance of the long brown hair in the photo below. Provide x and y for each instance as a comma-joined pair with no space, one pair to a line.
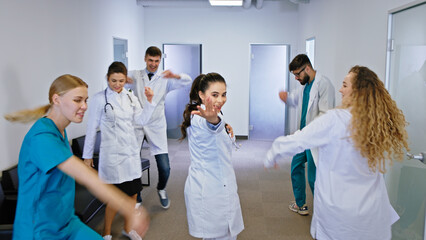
200,83
378,125
60,86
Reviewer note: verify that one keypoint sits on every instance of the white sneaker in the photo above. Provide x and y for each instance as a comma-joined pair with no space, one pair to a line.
107,237
132,235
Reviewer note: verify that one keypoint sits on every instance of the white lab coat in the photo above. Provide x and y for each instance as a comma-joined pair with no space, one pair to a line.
321,99
119,159
211,198
350,201
156,129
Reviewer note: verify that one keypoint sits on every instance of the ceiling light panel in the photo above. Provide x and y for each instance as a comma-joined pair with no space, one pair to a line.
226,2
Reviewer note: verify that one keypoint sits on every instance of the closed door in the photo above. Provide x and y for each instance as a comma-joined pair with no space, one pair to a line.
268,75
406,80
120,50
179,58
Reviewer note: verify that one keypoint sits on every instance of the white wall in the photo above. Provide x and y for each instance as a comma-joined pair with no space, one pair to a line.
225,34
41,40
347,33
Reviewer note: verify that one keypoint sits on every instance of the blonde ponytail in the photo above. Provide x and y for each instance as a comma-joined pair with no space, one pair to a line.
27,115
60,86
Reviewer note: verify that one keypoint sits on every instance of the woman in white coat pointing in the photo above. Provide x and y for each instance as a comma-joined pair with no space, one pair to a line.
115,111
211,198
354,141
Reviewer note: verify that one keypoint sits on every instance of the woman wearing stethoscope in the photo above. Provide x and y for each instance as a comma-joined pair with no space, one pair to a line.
115,111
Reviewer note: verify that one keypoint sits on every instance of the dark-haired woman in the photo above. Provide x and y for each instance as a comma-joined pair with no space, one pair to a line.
115,111
211,198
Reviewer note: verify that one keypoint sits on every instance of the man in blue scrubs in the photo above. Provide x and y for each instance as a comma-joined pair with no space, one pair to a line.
313,98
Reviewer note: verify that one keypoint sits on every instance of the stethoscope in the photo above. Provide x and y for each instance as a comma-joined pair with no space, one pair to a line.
233,139
109,104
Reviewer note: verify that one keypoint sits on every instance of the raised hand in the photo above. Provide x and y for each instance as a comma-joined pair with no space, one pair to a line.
169,74
210,113
149,93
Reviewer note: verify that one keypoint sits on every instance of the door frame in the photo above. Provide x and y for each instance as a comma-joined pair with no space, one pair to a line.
390,46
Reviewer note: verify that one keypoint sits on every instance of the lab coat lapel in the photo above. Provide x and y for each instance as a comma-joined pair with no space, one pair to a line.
112,99
313,94
140,83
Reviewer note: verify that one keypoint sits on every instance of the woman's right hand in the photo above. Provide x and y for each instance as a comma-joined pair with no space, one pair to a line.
210,113
89,162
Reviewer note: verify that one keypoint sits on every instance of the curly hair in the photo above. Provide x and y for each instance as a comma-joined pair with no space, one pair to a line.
378,125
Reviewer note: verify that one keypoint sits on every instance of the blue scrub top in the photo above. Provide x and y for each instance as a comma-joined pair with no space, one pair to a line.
45,208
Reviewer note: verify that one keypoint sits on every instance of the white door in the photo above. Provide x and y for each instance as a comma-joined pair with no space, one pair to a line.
268,75
406,81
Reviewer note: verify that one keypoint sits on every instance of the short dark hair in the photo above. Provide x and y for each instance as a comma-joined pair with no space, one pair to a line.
117,67
299,61
153,51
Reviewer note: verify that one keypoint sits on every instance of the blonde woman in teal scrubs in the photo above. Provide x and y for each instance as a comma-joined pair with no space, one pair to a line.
47,169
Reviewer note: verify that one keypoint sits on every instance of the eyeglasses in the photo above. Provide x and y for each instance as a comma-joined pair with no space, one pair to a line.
298,74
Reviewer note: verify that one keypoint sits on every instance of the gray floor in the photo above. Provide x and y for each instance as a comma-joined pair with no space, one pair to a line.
264,197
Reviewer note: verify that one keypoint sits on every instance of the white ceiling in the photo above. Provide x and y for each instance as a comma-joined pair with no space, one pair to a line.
203,3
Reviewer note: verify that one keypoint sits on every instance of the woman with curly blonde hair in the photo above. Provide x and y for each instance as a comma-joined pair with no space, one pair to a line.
354,142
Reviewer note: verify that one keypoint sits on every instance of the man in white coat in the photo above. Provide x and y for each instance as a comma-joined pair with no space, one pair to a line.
156,129
313,98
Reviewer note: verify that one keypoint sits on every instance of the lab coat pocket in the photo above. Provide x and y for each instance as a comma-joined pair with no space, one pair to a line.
109,118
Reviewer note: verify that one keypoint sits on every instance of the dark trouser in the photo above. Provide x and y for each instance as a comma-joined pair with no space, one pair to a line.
163,166
298,178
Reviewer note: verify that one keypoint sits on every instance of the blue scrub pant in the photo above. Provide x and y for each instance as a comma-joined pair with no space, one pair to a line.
163,165
298,178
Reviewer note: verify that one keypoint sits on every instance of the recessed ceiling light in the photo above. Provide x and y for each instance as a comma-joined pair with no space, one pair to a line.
226,2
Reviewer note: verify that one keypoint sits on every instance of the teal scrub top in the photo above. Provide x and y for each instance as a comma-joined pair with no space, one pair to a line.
306,93
45,208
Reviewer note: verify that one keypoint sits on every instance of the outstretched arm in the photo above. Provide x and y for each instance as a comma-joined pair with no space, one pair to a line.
176,81
108,194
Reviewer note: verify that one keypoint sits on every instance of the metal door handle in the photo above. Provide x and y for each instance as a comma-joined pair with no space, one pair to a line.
420,156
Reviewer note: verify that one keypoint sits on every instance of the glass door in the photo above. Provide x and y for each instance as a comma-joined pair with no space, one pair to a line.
268,75
179,58
406,82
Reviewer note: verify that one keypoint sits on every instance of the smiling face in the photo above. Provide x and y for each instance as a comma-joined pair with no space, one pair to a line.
217,93
152,63
346,89
73,104
116,82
